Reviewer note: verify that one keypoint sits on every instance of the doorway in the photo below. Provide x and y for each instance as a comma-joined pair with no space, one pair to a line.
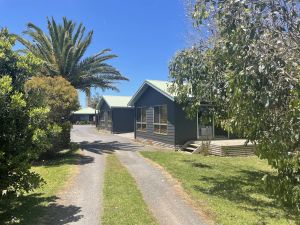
205,124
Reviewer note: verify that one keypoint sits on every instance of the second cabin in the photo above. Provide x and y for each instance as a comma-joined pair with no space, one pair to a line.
114,114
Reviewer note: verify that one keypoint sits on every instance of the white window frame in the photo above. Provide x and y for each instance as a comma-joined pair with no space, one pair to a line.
141,123
159,123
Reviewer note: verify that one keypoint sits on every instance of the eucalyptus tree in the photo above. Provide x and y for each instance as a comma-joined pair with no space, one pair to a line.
63,50
254,49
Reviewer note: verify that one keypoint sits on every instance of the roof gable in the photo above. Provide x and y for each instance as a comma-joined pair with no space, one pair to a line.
159,85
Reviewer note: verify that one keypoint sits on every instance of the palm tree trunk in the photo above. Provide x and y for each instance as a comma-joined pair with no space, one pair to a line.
88,96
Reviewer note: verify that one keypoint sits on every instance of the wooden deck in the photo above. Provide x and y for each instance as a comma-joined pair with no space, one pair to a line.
233,147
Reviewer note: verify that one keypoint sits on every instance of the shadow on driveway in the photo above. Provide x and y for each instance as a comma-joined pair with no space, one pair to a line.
101,147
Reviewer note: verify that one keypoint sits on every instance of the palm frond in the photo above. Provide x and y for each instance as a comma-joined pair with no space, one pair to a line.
62,51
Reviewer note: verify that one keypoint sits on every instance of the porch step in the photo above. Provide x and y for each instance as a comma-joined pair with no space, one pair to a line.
194,145
234,147
191,147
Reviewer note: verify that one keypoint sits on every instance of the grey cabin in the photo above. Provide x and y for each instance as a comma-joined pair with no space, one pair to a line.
114,114
159,119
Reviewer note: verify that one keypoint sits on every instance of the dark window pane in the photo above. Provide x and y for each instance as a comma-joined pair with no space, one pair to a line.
163,129
156,114
156,128
138,126
144,127
138,114
163,114
144,115
109,116
102,115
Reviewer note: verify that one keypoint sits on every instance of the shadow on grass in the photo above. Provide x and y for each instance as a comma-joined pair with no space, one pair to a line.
245,190
197,164
26,210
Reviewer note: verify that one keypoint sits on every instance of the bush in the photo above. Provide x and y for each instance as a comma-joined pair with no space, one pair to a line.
61,98
25,133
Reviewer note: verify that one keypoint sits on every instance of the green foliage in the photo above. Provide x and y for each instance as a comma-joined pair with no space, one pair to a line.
32,208
25,131
252,59
54,92
18,67
194,81
62,51
24,134
189,75
61,98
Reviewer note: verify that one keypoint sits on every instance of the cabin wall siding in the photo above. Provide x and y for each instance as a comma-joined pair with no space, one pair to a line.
104,124
185,128
122,120
149,99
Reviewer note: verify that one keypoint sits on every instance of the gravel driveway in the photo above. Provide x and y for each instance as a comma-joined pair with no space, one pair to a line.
81,202
159,192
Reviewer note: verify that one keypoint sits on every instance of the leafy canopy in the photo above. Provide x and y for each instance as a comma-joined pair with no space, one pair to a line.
18,67
56,93
25,130
251,66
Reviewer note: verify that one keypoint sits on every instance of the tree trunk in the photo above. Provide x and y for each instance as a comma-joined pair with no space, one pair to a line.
88,96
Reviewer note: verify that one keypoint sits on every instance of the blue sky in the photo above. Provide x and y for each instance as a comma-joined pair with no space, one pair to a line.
145,34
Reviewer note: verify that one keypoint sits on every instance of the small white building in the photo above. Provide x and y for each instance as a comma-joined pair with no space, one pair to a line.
84,115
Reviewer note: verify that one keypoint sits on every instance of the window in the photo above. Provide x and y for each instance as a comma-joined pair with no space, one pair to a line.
160,119
108,119
102,116
102,119
141,124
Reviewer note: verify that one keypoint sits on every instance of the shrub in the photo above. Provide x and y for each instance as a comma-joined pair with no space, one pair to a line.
25,133
61,98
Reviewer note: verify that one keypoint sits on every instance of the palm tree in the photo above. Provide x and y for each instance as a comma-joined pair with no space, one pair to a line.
62,51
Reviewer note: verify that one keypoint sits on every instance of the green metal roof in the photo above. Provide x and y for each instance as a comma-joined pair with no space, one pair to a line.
87,110
164,86
116,101
159,85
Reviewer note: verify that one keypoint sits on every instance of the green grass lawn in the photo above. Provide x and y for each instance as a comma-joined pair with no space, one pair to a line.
29,208
123,202
230,190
